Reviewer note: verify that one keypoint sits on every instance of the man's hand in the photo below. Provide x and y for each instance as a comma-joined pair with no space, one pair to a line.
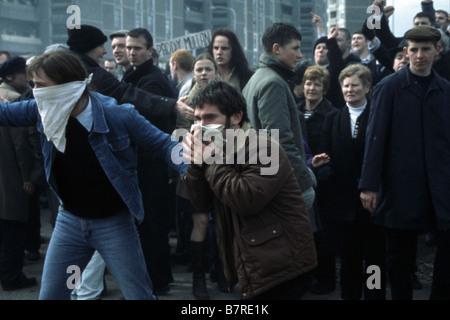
320,159
333,32
369,200
184,110
28,187
2,99
317,21
379,3
388,11
193,147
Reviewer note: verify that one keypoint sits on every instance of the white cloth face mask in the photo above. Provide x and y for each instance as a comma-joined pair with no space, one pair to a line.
55,104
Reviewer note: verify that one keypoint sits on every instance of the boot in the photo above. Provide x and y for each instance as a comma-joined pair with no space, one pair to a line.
198,271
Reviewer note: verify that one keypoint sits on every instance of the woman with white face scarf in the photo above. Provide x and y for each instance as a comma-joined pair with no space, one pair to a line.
89,144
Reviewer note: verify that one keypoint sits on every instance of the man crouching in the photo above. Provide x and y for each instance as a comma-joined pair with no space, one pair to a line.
264,233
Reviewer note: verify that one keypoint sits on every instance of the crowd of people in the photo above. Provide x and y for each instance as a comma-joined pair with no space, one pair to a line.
361,135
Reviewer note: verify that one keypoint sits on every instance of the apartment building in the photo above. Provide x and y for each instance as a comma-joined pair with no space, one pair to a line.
27,27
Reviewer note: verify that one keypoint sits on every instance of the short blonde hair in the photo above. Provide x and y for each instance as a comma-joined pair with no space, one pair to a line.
363,73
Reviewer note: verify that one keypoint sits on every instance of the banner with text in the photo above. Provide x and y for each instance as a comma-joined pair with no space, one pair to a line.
189,42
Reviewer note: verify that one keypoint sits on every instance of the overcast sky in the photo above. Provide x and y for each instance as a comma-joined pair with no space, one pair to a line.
405,10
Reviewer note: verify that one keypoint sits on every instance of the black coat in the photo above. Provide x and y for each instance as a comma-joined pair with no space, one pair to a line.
158,196
408,152
442,66
149,77
338,191
148,104
315,122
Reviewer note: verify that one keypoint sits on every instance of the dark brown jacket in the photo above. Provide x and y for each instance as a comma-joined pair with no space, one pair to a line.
264,233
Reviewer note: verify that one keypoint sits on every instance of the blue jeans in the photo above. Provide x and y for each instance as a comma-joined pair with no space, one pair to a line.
73,243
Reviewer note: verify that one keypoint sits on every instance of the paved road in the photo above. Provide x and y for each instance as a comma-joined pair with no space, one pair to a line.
181,288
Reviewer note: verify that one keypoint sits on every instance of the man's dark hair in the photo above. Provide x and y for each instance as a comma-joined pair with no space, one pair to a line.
422,14
359,32
141,32
225,97
443,12
345,31
6,53
281,33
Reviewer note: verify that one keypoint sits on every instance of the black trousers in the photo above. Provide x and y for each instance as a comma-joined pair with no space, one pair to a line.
33,237
440,288
361,245
401,247
12,249
158,197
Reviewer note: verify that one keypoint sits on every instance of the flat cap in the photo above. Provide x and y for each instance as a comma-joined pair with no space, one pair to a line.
423,33
118,33
12,65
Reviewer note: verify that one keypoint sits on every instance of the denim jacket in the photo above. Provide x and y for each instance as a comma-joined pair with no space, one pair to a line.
117,132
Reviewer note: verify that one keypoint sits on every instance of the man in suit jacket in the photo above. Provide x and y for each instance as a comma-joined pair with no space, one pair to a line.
405,178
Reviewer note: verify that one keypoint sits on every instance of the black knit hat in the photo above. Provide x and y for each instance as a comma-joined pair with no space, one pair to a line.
12,65
319,41
85,39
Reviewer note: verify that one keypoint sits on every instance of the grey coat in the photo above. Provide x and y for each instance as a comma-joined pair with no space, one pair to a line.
271,105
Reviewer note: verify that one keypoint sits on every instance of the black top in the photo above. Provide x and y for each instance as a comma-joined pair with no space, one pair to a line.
83,186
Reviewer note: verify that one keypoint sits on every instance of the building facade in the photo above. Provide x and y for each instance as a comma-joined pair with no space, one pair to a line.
349,14
29,26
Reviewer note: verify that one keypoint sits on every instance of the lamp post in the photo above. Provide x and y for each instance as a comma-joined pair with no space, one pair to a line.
227,8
